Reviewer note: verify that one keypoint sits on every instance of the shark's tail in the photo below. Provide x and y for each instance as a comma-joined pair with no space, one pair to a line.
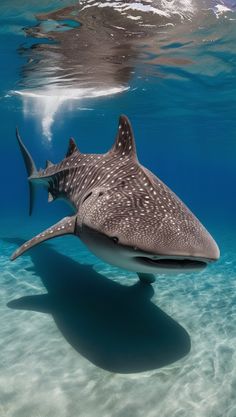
31,170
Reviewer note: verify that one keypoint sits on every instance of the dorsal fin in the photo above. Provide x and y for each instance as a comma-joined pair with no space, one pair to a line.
48,164
125,143
72,147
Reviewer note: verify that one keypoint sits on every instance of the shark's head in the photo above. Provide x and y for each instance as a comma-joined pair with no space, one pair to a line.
138,223
145,244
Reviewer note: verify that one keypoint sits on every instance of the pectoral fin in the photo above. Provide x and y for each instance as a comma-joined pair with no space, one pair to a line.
63,227
146,278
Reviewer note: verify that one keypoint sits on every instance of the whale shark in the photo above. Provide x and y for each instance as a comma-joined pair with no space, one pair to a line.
123,213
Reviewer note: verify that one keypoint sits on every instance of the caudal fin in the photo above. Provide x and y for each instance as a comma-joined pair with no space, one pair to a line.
30,168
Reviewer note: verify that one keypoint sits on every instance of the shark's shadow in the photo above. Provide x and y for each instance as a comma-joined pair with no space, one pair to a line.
115,327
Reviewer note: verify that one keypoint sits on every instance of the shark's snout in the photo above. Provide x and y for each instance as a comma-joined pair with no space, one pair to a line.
209,250
201,251
201,245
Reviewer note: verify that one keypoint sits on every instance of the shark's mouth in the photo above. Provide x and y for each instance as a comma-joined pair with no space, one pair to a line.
174,263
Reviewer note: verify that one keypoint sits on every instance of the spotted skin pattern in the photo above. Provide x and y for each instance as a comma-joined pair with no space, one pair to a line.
115,195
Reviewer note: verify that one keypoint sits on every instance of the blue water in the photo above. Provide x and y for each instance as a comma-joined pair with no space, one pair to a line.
98,344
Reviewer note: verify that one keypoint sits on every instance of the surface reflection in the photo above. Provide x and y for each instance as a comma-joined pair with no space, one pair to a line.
89,50
93,49
88,46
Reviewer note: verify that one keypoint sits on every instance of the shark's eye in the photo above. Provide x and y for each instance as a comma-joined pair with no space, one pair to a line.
115,239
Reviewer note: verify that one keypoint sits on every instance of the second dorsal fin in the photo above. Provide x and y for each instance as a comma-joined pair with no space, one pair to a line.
125,143
48,164
72,147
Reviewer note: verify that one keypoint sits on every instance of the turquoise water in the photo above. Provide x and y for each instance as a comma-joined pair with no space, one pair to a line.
79,337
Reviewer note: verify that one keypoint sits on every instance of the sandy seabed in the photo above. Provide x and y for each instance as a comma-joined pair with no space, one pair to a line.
50,343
